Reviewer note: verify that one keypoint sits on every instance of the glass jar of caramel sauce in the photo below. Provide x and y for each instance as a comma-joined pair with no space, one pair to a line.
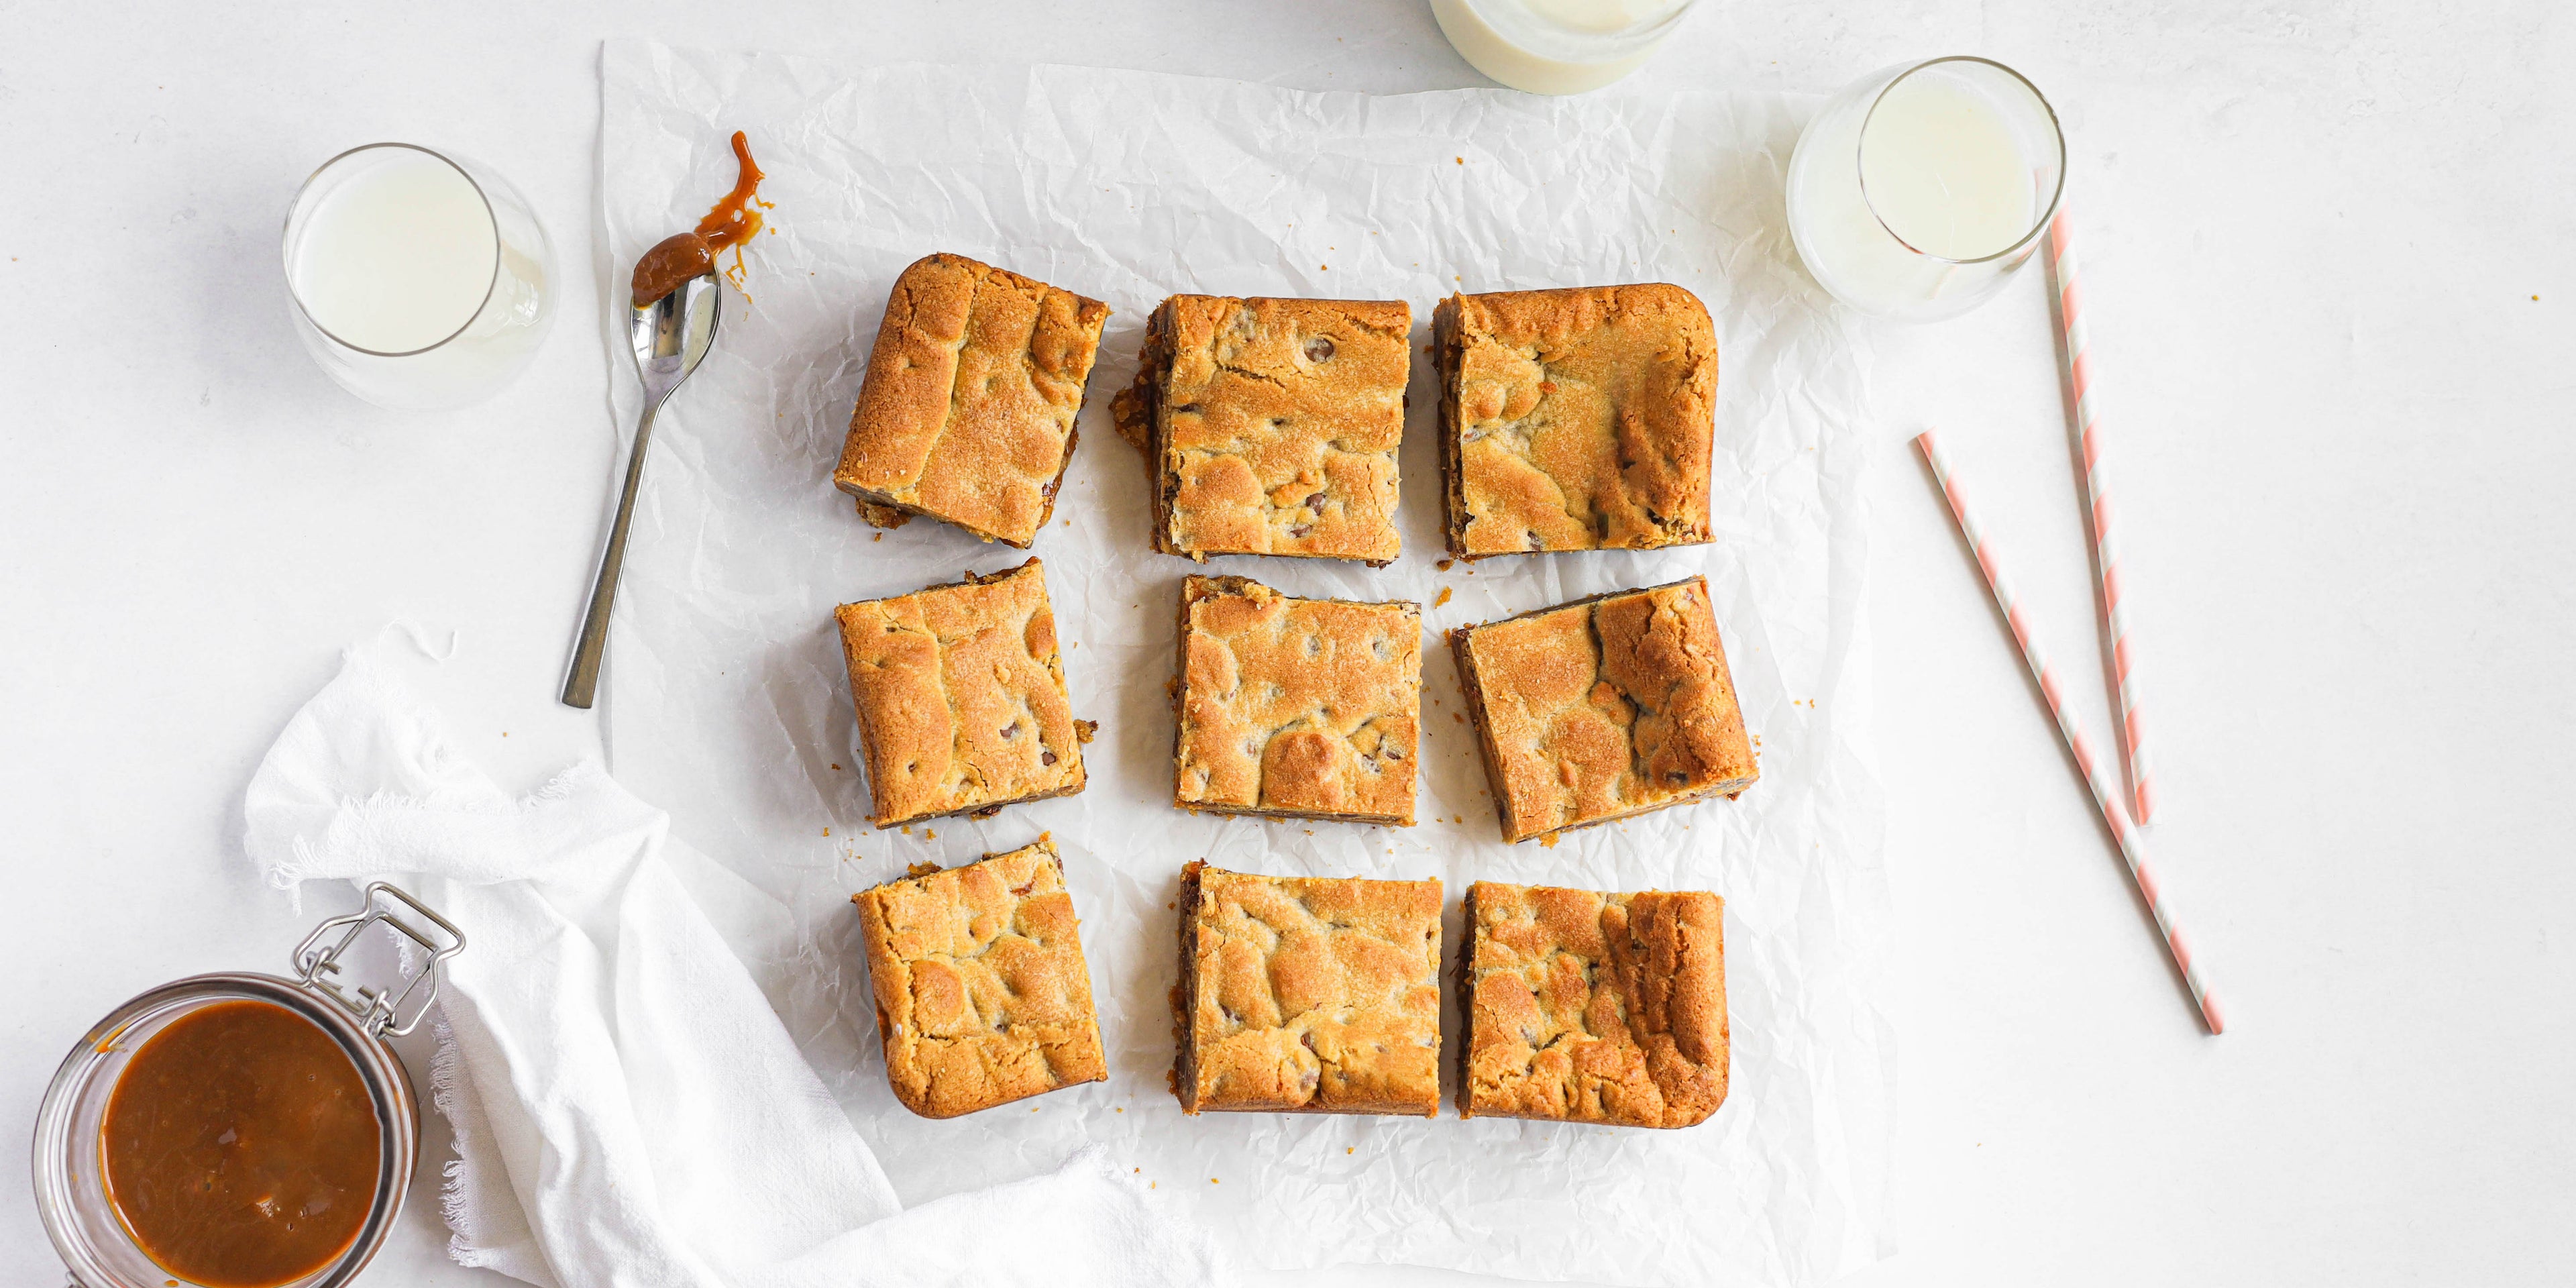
243,1130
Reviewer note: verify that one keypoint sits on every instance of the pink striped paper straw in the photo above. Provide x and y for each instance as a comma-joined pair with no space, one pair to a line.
2132,845
2097,494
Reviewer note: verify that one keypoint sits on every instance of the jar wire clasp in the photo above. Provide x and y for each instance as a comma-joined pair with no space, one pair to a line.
377,1009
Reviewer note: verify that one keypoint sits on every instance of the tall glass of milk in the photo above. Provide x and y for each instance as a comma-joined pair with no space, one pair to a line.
1918,190
420,279
1558,46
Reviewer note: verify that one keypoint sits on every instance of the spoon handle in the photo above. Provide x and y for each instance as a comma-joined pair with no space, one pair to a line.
583,683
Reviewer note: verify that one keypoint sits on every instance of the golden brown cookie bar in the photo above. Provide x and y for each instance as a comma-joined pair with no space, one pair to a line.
1313,994
1271,426
1296,707
982,995
960,698
966,413
1604,708
1575,419
1593,1008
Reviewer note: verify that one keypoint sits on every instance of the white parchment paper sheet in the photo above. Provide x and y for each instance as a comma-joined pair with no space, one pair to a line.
728,704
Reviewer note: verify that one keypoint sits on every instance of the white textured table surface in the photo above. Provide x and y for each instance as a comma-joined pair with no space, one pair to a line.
2315,232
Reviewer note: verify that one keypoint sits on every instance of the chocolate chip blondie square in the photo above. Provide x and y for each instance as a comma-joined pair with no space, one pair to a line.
982,995
966,413
1311,994
1593,1008
1270,426
960,697
1296,707
1604,708
1575,419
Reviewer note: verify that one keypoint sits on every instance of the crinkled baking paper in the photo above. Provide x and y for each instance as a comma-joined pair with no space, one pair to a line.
729,706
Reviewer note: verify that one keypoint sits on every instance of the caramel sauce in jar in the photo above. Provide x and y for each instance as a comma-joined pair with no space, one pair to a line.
240,1146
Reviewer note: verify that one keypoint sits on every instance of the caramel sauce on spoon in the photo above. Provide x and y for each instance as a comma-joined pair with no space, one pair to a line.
675,260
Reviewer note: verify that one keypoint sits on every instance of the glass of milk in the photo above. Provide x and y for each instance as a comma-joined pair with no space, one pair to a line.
1918,190
1558,46
421,280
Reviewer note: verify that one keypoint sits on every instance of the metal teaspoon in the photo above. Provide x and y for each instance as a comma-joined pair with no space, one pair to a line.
669,336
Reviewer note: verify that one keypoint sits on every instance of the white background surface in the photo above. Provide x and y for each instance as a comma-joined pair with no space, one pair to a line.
2313,231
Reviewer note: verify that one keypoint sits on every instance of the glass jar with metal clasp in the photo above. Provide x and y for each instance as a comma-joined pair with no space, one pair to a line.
86,1111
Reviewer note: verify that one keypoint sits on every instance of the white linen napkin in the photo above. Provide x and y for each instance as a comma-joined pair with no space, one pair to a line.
627,1108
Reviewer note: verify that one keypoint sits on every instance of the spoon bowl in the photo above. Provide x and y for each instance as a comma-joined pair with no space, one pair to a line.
671,335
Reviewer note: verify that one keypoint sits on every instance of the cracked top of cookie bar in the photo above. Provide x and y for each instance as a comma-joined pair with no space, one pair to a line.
960,697
1604,708
1597,1008
967,410
1577,419
981,991
1312,993
1307,707
1277,425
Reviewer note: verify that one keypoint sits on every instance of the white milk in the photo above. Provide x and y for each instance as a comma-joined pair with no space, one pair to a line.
399,257
1556,46
1939,164
1943,170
